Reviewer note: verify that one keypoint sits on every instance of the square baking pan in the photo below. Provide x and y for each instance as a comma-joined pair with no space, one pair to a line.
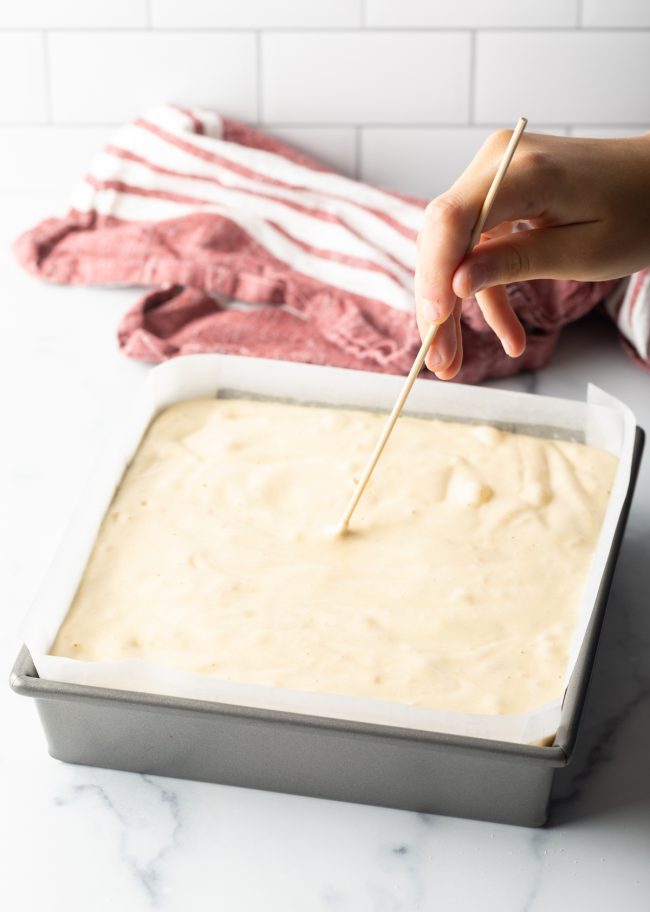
308,754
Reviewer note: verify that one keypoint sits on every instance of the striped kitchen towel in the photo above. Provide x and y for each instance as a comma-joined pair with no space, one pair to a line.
250,247
629,307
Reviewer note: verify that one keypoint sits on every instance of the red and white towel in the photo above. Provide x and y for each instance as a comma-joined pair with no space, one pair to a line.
253,248
629,307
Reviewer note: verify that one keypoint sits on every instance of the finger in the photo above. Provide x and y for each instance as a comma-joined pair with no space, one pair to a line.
443,347
442,244
446,346
450,372
529,190
423,325
563,252
502,320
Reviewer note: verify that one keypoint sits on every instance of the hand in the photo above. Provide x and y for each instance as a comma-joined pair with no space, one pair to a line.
585,204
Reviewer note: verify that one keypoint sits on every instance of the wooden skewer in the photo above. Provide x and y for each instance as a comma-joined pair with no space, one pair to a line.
430,336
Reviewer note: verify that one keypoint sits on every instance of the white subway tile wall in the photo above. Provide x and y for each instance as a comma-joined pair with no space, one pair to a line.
107,76
23,78
429,158
372,77
397,92
333,146
578,77
54,14
615,13
472,13
256,14
600,132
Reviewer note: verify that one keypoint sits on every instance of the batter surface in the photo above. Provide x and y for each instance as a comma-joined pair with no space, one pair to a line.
458,588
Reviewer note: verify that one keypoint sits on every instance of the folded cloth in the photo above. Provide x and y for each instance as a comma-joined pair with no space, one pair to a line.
253,248
629,307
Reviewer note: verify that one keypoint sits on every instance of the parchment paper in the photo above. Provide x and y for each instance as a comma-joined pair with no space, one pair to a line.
602,421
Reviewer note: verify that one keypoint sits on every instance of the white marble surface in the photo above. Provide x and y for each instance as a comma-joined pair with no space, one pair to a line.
74,838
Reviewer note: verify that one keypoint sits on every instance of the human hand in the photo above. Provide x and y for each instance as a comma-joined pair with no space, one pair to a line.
585,204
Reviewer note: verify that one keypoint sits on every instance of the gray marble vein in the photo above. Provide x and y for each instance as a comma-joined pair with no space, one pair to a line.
148,817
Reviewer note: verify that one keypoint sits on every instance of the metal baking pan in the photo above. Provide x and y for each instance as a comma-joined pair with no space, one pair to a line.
321,757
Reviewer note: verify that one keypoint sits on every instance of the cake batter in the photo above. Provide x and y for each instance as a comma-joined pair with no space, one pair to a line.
458,587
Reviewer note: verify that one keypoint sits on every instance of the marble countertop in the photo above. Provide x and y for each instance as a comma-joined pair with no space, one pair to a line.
76,838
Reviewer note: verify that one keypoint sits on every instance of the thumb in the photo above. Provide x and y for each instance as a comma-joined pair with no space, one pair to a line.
543,253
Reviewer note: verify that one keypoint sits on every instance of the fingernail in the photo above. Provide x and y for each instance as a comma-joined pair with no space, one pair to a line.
431,311
477,278
508,348
434,361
